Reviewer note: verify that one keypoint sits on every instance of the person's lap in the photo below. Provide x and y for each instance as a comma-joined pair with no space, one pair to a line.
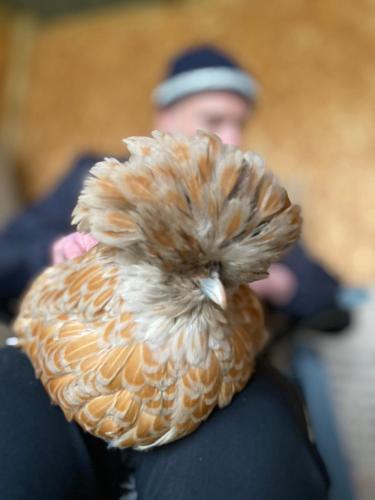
43,457
256,448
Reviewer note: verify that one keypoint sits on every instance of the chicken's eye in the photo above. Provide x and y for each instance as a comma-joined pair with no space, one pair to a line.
259,228
217,266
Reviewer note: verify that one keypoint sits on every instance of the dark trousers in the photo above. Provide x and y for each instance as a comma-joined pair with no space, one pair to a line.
257,448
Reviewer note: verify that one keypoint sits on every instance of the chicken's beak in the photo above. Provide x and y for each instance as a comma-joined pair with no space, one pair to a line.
213,289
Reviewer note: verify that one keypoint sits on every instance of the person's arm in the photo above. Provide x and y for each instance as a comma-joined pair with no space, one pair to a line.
25,242
314,303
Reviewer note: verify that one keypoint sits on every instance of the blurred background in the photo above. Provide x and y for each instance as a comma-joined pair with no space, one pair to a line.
76,76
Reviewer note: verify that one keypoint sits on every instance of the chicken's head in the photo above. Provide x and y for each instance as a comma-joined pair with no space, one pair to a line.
192,207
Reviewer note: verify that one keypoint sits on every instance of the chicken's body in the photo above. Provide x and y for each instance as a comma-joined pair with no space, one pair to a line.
122,337
120,383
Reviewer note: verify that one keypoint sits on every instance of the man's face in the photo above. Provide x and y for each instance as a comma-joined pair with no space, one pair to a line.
223,113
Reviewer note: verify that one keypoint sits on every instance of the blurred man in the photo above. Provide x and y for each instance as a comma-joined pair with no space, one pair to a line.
257,448
203,89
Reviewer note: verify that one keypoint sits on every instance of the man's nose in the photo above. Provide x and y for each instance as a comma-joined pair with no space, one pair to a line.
230,135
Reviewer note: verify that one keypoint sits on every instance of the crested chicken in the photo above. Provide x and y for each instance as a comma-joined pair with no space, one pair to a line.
142,336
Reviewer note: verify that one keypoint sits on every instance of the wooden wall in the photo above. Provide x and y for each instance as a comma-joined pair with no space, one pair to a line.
4,41
91,77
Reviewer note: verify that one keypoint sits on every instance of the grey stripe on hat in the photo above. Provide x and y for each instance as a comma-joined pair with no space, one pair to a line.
205,79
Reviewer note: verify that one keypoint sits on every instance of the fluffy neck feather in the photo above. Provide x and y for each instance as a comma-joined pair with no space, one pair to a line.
173,316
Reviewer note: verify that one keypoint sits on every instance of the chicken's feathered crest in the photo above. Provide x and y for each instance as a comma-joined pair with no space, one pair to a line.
183,202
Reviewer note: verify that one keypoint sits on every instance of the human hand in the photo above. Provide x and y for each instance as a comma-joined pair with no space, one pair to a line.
71,246
279,287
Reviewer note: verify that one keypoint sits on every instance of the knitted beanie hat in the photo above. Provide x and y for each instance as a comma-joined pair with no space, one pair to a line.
201,69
